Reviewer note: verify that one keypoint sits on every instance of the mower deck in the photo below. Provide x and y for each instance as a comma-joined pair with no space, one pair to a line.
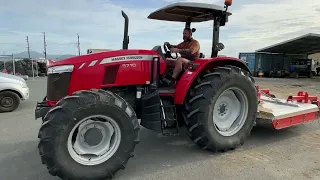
283,113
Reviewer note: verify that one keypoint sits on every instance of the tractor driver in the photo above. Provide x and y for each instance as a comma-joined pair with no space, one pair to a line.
189,50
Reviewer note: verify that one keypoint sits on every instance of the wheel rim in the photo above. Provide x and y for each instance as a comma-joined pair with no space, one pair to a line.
7,102
230,111
94,140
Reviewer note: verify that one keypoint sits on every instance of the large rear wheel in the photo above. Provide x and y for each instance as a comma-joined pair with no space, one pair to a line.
221,109
89,135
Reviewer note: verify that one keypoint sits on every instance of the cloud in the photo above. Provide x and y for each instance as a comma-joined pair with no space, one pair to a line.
264,24
99,23
198,1
253,25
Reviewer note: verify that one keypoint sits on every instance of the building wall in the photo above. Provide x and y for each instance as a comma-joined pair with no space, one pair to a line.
267,62
250,58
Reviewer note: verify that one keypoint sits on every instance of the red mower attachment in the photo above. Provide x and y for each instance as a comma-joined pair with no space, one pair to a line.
286,113
304,97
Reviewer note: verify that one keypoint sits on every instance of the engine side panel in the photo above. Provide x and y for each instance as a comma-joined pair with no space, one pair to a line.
190,76
128,68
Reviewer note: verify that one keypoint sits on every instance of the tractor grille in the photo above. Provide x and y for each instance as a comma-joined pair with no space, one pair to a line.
58,85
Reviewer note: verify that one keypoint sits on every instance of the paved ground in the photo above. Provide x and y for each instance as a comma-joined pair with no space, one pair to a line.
283,87
267,155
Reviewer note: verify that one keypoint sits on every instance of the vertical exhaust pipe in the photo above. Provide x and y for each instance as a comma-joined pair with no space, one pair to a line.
125,42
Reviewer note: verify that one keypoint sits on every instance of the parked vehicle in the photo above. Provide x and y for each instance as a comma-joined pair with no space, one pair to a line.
303,67
90,51
317,67
13,89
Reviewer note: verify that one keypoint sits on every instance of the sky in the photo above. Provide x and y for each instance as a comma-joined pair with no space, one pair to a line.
254,24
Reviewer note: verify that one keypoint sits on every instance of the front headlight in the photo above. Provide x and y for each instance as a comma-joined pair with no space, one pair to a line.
60,69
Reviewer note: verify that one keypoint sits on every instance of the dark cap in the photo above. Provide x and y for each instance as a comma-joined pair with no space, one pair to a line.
192,30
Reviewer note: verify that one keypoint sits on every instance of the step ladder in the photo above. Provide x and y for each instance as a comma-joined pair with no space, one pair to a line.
169,125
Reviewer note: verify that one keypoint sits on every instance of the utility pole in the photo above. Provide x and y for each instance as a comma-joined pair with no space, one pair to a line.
4,62
78,44
44,45
28,47
13,65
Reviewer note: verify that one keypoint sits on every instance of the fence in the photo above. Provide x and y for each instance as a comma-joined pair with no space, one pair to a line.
9,64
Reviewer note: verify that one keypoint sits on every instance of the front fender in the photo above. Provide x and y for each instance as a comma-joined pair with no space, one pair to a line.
190,76
11,87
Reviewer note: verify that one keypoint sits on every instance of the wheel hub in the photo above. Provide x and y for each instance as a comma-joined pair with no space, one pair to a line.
96,140
93,136
222,109
7,102
230,111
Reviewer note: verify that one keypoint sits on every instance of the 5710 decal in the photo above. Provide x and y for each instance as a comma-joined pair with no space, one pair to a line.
131,65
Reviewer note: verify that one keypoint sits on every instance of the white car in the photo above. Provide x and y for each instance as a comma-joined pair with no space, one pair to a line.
13,89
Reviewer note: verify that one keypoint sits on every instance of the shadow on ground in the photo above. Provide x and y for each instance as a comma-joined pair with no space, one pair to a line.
154,152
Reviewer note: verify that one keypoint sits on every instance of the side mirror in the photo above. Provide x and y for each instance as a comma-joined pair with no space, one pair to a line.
219,47
228,2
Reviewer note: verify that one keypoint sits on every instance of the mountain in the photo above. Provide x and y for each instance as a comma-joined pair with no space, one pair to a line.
35,54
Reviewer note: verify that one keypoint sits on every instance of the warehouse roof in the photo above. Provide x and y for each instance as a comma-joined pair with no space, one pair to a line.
306,44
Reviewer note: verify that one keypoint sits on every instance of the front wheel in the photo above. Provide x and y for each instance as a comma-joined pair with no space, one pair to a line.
89,135
9,101
222,108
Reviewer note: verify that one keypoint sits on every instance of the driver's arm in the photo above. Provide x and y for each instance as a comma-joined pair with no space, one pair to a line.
170,45
179,46
174,46
194,47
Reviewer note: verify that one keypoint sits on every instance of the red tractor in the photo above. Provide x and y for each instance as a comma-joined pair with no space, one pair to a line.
96,102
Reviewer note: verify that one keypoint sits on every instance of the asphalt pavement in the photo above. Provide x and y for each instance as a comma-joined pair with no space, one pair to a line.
292,153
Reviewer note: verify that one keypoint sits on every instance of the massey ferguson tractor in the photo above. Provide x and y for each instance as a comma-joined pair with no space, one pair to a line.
97,102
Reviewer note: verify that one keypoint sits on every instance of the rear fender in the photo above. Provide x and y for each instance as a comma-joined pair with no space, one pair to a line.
190,76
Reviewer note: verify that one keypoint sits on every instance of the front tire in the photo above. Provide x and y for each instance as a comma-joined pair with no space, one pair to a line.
71,151
222,108
9,101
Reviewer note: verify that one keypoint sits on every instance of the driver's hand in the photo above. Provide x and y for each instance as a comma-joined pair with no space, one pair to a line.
174,50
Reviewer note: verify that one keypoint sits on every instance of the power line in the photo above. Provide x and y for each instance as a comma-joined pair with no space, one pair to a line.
13,46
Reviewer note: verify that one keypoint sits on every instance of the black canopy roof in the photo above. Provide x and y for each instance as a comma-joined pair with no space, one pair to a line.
306,44
182,12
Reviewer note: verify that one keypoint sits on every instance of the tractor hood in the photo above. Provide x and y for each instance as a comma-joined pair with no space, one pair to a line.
101,55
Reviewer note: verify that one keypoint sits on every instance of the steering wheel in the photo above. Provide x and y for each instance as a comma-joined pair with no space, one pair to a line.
167,51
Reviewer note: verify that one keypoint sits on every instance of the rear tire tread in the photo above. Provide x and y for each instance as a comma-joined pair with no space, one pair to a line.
201,98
